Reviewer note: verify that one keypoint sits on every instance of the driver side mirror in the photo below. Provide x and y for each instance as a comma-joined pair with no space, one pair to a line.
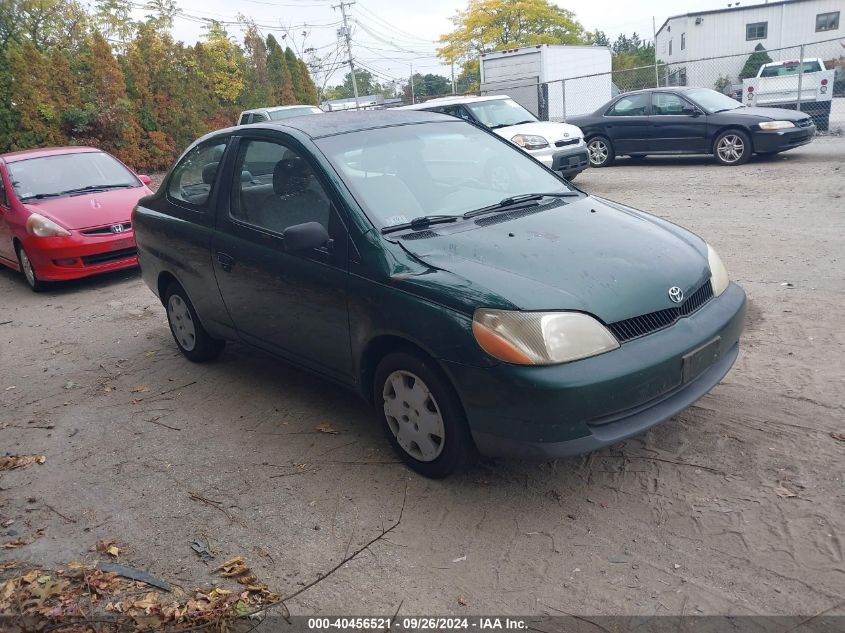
145,179
304,237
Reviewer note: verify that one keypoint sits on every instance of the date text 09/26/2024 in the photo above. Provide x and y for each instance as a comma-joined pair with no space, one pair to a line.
416,623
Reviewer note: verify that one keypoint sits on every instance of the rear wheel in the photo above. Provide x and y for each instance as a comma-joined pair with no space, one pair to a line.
732,147
421,414
190,336
28,271
601,151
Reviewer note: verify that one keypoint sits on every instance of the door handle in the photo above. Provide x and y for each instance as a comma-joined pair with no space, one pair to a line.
227,262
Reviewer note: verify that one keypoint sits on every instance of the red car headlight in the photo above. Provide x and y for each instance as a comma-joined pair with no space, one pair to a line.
40,226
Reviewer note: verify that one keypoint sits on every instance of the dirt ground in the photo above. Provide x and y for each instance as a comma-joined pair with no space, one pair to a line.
689,518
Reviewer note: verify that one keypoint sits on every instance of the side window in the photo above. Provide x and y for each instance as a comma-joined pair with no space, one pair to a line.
4,199
457,111
276,188
244,119
194,176
665,103
633,105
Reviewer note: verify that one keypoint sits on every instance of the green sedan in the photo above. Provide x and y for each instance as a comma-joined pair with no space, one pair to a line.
476,299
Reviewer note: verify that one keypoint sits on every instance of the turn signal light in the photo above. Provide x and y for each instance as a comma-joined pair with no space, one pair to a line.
750,88
824,82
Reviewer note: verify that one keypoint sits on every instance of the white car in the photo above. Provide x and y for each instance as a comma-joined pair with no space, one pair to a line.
558,146
277,113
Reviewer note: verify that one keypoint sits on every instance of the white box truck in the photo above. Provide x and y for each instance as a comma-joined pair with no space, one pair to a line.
533,76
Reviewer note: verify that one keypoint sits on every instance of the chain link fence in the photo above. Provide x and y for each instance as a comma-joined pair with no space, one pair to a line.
812,80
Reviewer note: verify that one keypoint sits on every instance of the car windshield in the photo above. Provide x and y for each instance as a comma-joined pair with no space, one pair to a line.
278,115
711,100
500,113
404,172
64,174
790,68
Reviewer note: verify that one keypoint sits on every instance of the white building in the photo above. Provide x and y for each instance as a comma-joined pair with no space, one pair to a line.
688,43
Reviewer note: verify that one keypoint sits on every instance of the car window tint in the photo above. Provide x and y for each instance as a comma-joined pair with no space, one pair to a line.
457,111
665,103
632,105
276,188
244,119
4,200
194,176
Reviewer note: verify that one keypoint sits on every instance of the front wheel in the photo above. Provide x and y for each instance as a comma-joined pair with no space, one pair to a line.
601,151
28,270
190,336
732,147
421,413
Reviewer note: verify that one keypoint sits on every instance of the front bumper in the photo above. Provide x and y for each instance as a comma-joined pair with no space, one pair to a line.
65,258
569,161
573,408
769,141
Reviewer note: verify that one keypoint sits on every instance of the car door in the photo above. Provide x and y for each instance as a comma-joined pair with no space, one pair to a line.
7,247
677,124
627,123
293,304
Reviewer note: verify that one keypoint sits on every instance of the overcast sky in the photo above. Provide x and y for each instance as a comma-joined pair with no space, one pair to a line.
390,35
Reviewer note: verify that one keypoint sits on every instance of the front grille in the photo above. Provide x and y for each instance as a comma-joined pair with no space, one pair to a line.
504,216
102,258
569,141
106,230
647,323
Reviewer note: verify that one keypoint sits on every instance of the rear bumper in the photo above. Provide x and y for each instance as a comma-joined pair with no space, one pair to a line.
780,140
65,258
578,407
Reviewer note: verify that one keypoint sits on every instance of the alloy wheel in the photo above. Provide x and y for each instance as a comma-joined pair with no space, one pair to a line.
730,148
181,323
28,270
599,152
413,416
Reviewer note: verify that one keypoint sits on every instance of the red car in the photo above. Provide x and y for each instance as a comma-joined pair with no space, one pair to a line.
64,213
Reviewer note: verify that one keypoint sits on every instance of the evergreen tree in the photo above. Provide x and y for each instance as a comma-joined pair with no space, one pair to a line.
279,75
295,75
754,61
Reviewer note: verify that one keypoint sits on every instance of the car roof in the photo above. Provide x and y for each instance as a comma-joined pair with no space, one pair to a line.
41,152
441,101
316,126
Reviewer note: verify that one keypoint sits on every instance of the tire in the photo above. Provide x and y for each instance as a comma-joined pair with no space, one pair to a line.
732,147
601,151
28,271
190,336
421,414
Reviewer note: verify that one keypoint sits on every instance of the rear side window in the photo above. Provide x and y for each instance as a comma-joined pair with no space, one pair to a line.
194,176
632,105
244,119
4,200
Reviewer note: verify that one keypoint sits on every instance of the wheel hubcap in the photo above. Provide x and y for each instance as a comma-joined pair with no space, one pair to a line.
181,323
28,271
413,416
598,152
730,148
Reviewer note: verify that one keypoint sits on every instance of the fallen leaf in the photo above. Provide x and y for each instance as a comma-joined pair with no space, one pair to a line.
838,436
10,462
325,427
141,389
238,560
7,523
13,544
113,551
782,491
462,601
137,400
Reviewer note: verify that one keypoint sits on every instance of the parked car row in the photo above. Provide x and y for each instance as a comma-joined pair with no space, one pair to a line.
434,259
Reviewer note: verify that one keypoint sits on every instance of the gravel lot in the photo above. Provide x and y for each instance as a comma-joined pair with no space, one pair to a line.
685,519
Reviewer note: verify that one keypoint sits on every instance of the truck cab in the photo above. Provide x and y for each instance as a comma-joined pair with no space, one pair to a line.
796,84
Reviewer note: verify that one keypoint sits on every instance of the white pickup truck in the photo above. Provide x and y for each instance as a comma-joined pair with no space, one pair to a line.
776,86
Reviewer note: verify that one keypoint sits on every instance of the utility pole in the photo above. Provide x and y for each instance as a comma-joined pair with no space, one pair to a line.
345,32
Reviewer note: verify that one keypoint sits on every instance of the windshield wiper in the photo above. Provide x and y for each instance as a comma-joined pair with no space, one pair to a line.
420,223
93,188
507,203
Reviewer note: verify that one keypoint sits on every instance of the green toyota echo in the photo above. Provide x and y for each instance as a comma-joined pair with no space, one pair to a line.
478,300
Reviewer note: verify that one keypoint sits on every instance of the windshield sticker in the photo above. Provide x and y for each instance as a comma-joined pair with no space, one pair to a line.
396,219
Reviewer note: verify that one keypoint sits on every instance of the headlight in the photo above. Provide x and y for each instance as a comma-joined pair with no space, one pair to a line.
40,226
540,338
776,125
530,141
718,273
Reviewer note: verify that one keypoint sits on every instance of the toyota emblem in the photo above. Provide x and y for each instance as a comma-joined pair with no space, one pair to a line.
118,228
676,295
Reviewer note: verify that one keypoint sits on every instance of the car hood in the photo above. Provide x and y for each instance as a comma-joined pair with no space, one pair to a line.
552,132
770,114
590,255
90,210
